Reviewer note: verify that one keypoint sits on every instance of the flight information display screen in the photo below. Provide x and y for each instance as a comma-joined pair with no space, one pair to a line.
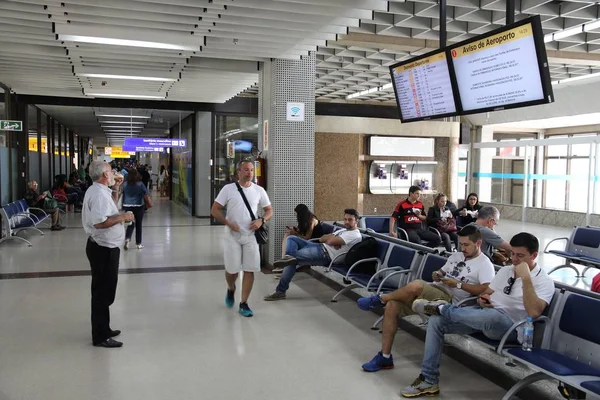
423,87
502,69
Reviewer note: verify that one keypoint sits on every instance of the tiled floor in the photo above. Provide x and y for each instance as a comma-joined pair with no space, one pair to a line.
180,340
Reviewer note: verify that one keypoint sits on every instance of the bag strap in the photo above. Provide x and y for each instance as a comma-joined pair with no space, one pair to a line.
245,201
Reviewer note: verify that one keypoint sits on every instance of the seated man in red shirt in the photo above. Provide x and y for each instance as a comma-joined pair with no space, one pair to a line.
410,215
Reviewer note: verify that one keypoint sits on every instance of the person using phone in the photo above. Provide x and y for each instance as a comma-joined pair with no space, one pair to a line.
518,291
466,273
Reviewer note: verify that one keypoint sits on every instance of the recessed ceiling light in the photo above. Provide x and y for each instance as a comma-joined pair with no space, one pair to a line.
133,78
121,116
124,122
125,42
126,96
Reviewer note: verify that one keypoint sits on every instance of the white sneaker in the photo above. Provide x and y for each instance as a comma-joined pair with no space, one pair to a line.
140,246
126,245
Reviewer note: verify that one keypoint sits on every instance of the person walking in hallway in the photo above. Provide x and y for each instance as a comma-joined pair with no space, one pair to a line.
241,251
104,226
136,198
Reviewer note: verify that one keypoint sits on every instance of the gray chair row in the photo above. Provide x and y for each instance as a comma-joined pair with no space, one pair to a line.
17,217
582,248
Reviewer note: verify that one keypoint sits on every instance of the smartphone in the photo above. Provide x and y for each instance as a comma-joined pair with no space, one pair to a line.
485,299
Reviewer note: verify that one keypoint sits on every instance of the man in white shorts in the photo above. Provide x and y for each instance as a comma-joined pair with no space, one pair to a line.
241,252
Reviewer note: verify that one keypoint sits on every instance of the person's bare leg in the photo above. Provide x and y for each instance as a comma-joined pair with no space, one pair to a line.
390,326
247,283
230,279
406,294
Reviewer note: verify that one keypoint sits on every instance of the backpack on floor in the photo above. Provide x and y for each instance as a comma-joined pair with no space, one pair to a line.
366,248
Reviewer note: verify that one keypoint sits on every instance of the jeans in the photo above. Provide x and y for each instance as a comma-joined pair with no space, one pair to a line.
138,213
306,253
464,320
448,238
104,262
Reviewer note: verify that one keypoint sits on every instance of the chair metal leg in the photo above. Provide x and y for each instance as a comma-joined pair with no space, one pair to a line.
528,380
338,294
16,237
585,270
375,326
566,266
31,227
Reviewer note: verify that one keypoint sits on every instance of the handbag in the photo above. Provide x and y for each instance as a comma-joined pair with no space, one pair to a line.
449,225
261,234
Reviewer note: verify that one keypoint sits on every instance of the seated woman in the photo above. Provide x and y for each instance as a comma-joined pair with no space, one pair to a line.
441,218
60,194
467,214
309,227
36,200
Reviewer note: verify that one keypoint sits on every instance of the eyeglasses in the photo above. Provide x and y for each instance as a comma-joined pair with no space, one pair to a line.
508,288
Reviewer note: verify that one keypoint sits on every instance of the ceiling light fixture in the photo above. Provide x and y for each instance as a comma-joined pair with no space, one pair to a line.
126,96
576,78
575,30
126,42
133,78
124,122
122,116
121,127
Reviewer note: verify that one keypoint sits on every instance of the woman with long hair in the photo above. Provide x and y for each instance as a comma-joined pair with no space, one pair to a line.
467,214
308,226
136,198
440,217
163,176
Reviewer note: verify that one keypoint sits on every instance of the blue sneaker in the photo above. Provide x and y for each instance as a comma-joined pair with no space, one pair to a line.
379,362
245,310
230,298
369,303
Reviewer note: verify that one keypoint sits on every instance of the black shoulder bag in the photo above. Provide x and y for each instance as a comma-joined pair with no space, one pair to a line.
261,234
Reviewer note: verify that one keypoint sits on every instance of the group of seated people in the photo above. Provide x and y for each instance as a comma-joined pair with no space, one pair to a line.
444,216
516,292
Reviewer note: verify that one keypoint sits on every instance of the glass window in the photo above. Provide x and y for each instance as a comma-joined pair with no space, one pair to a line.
578,186
560,150
556,184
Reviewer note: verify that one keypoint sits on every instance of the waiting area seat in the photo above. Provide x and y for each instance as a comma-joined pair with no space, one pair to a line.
17,217
582,248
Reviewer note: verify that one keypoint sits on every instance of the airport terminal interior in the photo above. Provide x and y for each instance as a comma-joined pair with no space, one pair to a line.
370,108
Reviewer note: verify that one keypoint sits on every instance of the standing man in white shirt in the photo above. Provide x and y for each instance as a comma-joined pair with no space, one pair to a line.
241,252
104,225
466,273
517,291
303,252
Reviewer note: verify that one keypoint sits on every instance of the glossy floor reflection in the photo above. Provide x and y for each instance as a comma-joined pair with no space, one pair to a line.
180,340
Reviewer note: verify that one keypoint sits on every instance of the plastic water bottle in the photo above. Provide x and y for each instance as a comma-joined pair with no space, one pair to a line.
528,334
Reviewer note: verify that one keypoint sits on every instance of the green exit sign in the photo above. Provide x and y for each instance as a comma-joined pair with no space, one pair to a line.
6,125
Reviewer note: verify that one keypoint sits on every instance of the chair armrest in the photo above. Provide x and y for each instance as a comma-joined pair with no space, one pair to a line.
434,230
554,240
510,330
335,259
403,272
467,301
362,262
382,270
404,233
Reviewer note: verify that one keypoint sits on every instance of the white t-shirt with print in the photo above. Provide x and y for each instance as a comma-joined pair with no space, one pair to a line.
512,304
350,239
237,211
475,271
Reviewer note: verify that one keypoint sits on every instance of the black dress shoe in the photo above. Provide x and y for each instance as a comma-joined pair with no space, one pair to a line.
109,344
115,333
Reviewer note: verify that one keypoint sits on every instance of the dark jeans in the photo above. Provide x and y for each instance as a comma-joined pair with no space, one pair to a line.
104,262
138,212
416,235
448,238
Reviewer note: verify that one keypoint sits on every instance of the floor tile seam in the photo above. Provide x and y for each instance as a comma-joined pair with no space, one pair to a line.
124,271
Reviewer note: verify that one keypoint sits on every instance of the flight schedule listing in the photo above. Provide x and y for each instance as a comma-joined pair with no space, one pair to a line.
498,70
424,88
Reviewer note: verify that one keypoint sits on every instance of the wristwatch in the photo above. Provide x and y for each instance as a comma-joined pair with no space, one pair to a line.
459,285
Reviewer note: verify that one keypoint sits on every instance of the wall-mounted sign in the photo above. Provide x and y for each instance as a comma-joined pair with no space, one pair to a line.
265,135
7,125
117,152
33,144
295,112
154,142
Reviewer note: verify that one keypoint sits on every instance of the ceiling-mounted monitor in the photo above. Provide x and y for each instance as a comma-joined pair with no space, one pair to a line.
505,68
423,87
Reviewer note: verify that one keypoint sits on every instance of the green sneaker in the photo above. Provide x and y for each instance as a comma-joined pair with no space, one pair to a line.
420,387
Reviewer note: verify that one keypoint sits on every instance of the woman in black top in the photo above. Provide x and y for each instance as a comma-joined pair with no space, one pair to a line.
441,218
468,213
309,226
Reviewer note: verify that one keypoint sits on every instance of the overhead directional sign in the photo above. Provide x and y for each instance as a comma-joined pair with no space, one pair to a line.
145,149
6,125
154,142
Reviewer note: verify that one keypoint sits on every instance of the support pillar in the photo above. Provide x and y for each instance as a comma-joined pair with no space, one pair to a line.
290,141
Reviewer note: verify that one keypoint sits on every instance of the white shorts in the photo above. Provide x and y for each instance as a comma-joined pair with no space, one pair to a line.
241,253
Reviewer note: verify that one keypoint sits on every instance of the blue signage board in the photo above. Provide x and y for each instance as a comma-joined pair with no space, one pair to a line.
154,142
145,149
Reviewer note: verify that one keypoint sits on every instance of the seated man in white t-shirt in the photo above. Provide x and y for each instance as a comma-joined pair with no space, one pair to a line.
466,273
302,252
518,291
